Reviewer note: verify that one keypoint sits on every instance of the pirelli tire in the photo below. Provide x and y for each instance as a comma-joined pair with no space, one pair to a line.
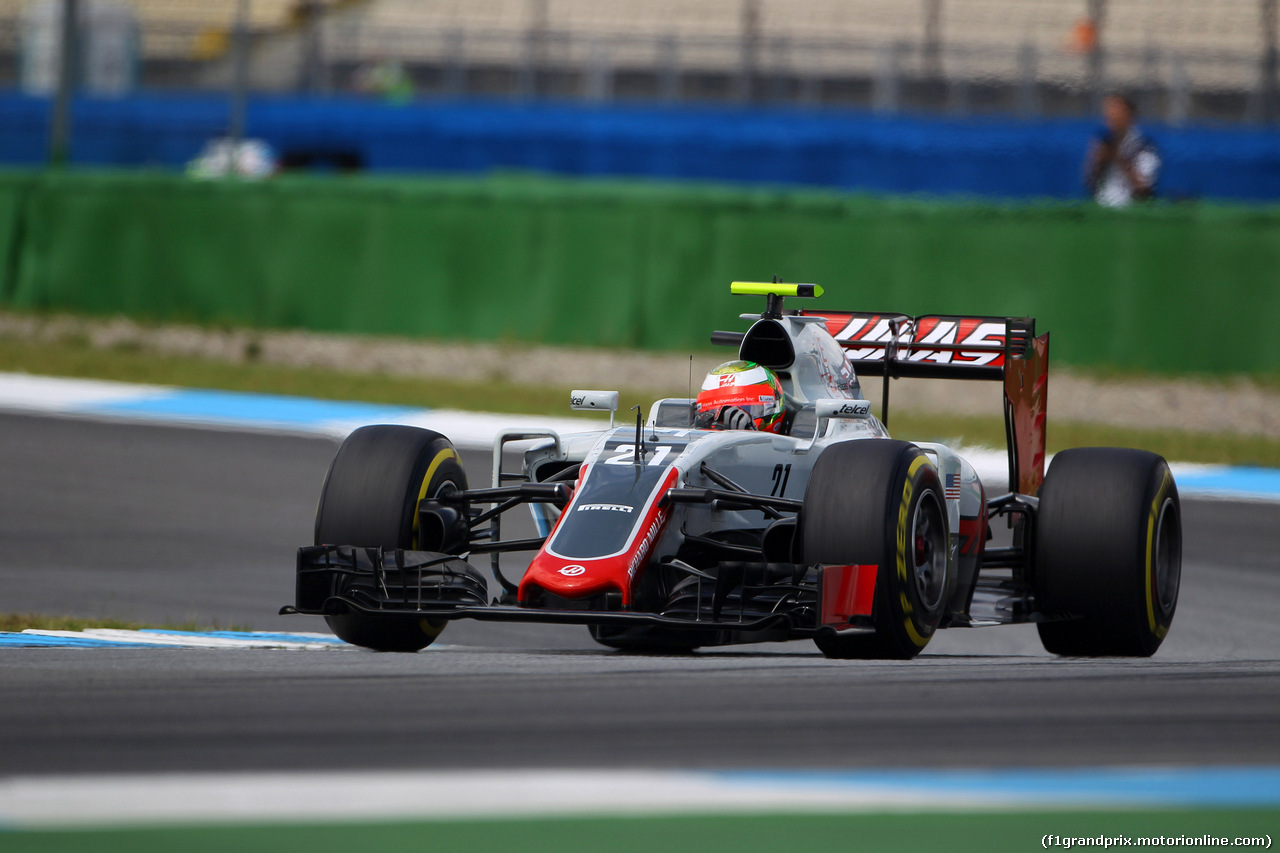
1107,552
370,498
880,502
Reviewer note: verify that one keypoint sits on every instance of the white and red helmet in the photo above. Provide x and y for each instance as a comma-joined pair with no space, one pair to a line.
745,385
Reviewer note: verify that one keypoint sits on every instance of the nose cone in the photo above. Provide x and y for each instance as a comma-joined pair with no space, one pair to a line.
570,579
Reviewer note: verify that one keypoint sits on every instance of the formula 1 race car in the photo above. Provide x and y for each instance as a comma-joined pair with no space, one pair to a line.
676,532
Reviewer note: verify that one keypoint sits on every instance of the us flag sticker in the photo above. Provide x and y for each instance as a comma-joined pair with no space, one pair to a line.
953,486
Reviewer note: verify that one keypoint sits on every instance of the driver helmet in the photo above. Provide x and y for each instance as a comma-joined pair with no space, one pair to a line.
745,385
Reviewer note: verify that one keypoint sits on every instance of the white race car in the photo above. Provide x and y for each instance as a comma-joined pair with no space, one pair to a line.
675,532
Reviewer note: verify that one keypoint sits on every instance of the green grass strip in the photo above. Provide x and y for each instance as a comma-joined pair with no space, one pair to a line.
952,832
14,622
128,365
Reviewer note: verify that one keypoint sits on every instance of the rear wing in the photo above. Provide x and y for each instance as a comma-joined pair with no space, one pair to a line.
935,346
944,346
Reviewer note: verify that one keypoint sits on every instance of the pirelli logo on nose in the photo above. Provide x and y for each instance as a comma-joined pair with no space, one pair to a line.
605,508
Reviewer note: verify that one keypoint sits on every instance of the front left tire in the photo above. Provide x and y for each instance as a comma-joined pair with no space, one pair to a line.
370,498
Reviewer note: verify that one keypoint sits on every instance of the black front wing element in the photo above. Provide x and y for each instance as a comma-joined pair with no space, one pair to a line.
335,579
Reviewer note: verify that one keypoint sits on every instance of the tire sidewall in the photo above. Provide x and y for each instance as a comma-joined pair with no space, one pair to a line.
1156,616
438,465
860,507
901,598
421,461
417,464
1096,562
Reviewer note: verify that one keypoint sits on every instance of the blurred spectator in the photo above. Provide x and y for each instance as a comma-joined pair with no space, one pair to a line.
250,158
1084,36
1123,164
386,79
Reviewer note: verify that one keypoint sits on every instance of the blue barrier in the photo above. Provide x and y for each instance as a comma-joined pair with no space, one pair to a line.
1000,158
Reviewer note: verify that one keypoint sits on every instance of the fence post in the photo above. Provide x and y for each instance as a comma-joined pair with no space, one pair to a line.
1096,56
810,85
313,66
1028,68
778,77
68,74
958,83
599,71
535,49
668,68
750,47
886,94
455,69
932,39
239,74
1267,85
1179,93
1146,94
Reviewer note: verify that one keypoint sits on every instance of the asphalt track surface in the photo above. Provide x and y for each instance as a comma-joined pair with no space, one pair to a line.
167,524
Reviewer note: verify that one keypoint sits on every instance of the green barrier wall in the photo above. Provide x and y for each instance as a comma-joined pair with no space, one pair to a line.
624,263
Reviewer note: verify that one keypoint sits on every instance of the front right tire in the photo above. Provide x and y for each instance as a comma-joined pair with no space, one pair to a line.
880,502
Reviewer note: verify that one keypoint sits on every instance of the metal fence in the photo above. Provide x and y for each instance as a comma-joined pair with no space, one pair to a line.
337,47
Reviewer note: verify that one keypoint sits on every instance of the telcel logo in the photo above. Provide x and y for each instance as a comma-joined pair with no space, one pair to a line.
573,571
856,409
577,401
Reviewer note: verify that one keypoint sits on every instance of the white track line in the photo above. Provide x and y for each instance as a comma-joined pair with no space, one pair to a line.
33,802
361,796
186,641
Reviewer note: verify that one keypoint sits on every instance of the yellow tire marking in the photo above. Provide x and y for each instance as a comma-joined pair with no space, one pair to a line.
908,491
1158,630
427,626
447,453
1151,525
914,634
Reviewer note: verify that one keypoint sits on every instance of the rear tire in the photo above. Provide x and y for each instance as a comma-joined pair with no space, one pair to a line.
1108,552
370,498
880,502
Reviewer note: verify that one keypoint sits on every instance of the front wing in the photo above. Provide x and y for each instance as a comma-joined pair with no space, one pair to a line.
741,598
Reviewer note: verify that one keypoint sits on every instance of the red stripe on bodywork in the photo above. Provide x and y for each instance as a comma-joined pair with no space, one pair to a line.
972,534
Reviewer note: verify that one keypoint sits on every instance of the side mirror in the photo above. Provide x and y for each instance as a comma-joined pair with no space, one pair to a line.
594,401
